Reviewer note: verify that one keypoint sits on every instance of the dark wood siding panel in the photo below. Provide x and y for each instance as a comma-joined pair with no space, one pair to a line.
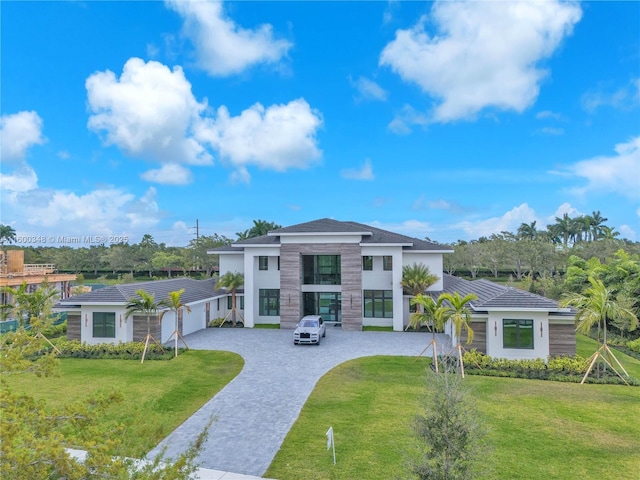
351,281
562,339
479,336
73,326
140,327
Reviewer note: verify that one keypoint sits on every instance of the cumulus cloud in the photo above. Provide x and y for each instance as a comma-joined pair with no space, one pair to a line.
105,210
618,173
484,54
18,133
169,174
223,47
149,112
365,172
368,89
508,222
278,137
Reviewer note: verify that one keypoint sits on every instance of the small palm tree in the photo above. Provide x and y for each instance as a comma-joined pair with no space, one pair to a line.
416,279
232,281
175,305
431,313
145,304
7,234
595,306
458,312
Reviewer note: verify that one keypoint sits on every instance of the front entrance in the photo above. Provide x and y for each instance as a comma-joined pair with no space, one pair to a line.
326,304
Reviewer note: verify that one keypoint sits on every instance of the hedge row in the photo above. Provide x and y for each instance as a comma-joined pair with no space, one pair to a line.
123,351
559,369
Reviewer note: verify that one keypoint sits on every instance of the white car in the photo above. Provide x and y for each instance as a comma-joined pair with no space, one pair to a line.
310,329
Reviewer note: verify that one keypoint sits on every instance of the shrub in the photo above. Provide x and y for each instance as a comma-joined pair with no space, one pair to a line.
124,351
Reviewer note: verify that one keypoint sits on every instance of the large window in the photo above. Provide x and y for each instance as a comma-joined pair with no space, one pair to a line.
104,324
321,269
239,302
378,303
387,262
269,302
263,263
367,262
517,333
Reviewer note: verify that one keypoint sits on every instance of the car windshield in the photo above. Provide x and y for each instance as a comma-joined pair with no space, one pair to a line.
309,323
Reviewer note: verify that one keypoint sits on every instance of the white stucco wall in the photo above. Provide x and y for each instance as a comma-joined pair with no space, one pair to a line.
540,341
124,327
231,262
431,260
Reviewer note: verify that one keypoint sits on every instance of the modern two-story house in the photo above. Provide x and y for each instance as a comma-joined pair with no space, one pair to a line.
350,274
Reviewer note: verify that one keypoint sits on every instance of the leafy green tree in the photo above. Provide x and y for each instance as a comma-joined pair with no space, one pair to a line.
259,228
449,433
417,278
595,306
27,305
431,313
197,255
163,260
35,436
145,251
145,304
231,281
175,305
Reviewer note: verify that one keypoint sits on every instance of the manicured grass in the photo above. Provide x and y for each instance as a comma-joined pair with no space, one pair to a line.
537,429
377,329
158,395
269,326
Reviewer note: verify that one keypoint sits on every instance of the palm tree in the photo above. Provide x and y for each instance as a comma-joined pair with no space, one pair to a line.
145,304
563,227
231,281
7,234
416,279
597,225
458,312
430,312
175,306
595,306
527,231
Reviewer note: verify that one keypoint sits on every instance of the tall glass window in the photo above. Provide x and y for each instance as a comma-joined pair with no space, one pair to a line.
269,302
263,263
239,302
104,324
378,303
321,270
517,333
367,262
387,262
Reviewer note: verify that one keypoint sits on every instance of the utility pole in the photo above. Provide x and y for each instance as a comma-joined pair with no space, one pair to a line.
197,230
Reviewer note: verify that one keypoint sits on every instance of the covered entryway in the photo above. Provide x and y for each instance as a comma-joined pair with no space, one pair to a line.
326,304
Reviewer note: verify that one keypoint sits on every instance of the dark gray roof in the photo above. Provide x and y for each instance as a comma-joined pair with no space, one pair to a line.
194,290
327,225
492,295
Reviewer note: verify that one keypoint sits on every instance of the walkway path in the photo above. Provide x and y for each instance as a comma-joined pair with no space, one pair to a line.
255,411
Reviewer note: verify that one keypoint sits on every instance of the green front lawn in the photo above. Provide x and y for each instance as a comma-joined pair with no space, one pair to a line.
158,395
537,429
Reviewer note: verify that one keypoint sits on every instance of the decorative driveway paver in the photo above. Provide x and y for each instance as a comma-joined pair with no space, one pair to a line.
255,411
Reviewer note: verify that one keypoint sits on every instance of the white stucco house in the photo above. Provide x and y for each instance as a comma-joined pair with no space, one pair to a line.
350,274
100,316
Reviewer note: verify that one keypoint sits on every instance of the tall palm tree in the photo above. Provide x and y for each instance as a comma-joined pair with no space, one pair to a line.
430,311
145,304
527,231
597,225
231,281
595,306
563,227
175,305
416,279
458,312
7,234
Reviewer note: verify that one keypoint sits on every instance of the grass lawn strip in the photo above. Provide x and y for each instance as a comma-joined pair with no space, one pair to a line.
158,395
537,429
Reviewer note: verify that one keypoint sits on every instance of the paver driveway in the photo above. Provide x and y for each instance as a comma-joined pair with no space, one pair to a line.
256,409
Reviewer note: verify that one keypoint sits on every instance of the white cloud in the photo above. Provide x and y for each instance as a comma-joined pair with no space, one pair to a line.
484,54
365,172
623,98
405,119
368,89
508,222
19,132
618,174
548,114
222,46
278,137
21,179
552,131
567,208
105,210
627,232
148,112
169,174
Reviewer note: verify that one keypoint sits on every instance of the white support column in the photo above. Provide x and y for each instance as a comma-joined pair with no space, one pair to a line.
249,294
398,298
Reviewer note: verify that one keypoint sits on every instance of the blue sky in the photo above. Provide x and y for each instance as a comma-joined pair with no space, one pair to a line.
447,120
